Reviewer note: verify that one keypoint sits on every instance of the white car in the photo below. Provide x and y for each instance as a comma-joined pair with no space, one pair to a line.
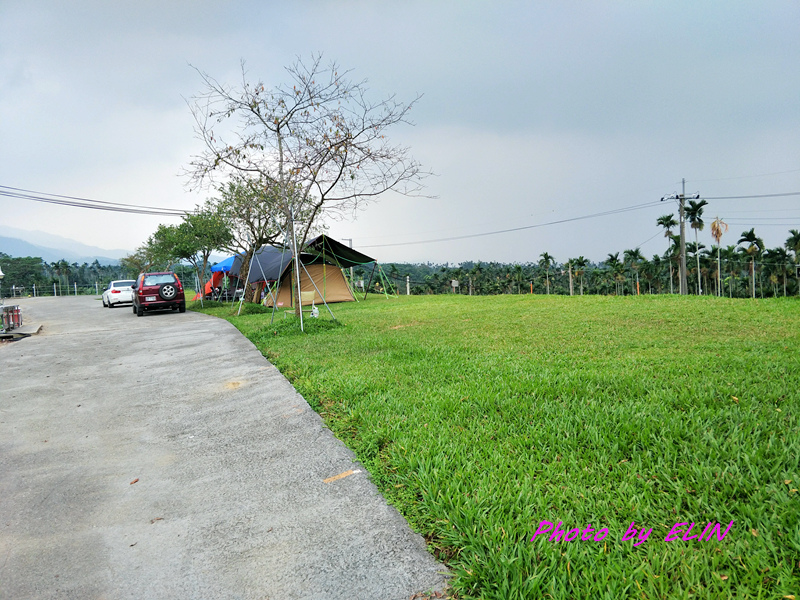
118,292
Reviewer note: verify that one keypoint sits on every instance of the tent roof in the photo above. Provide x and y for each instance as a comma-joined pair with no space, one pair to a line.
330,249
224,265
269,264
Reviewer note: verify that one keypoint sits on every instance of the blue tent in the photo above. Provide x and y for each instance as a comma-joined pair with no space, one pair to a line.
223,266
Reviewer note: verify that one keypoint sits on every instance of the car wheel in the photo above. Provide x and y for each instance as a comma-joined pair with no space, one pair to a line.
104,304
110,305
168,291
182,307
139,312
134,309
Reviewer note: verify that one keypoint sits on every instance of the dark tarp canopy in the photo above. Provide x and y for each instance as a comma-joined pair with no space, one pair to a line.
269,263
329,249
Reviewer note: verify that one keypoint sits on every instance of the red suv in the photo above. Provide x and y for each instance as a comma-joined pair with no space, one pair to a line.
158,291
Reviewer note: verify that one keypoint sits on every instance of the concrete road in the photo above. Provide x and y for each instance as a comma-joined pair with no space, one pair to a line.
164,457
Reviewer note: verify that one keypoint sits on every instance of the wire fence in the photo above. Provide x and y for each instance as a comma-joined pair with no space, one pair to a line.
35,291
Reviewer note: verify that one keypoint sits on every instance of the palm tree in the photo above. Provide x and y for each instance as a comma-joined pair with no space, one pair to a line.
647,272
707,266
673,255
477,273
545,262
518,276
694,212
718,227
755,248
651,271
730,260
778,260
633,258
615,266
793,245
695,249
668,222
580,264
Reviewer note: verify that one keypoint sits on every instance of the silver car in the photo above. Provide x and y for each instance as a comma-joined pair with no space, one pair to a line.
118,292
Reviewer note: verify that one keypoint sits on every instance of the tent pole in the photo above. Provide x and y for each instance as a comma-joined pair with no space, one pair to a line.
370,280
246,283
297,265
278,281
324,275
350,285
386,284
264,277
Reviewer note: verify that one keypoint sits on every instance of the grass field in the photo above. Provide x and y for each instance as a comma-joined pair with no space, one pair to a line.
481,417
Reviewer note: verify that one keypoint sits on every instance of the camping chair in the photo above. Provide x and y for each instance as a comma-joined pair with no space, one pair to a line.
305,297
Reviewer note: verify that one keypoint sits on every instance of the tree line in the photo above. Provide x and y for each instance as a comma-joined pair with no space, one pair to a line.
22,274
745,269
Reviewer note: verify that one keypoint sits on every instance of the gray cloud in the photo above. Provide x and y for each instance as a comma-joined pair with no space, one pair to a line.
529,113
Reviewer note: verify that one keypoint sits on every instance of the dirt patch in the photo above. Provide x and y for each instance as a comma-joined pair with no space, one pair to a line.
412,324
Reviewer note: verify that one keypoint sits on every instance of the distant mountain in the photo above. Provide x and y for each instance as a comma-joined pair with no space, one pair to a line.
57,242
51,248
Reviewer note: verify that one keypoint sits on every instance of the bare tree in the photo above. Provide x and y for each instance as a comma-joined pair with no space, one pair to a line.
319,139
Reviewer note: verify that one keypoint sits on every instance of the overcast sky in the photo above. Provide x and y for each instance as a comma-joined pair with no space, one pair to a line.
532,112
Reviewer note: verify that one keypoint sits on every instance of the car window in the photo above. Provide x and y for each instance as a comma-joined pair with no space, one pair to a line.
119,284
159,279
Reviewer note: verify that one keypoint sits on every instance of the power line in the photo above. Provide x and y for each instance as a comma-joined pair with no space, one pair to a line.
649,239
601,214
753,196
486,233
78,202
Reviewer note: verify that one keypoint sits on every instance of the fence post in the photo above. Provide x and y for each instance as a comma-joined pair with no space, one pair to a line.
54,289
34,290
75,283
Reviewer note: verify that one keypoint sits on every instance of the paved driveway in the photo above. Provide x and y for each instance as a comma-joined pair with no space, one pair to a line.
164,457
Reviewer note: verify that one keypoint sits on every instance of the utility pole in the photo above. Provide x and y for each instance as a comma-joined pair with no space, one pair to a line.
681,198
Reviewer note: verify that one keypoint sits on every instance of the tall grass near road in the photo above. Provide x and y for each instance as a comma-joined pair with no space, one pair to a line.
480,417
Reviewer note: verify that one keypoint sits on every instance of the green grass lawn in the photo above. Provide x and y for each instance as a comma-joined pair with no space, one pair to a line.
480,417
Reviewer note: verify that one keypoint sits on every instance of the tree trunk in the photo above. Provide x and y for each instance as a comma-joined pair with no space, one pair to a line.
670,278
697,244
249,292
